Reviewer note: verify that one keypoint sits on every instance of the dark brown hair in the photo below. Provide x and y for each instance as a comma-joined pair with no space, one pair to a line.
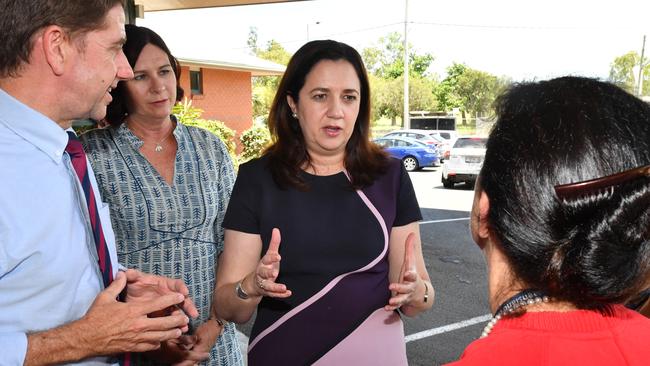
22,19
136,38
364,161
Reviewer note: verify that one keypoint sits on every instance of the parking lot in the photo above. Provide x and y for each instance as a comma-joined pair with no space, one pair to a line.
457,272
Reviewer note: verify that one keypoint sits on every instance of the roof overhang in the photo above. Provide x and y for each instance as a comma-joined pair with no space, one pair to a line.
223,65
158,5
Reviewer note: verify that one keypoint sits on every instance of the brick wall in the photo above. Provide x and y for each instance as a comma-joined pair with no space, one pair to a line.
227,97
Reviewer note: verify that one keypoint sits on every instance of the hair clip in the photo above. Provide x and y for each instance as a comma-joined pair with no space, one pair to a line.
564,191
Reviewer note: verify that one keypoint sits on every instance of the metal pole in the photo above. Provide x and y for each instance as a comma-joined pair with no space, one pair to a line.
639,90
406,120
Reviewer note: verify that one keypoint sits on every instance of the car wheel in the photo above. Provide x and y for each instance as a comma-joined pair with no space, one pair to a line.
447,183
410,163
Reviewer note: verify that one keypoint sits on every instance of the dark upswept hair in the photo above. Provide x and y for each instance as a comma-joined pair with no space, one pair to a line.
364,160
593,249
22,19
136,39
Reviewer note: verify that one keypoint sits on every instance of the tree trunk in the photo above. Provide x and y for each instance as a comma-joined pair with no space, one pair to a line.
393,121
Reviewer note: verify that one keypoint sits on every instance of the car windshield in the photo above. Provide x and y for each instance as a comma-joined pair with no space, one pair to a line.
473,142
437,137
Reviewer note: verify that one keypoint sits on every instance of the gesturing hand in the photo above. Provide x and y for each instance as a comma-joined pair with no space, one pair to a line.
268,269
144,287
403,291
111,326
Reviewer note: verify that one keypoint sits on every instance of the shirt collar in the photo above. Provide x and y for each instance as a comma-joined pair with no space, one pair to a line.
31,125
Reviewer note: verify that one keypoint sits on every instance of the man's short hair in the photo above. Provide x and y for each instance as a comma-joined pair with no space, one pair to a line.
22,19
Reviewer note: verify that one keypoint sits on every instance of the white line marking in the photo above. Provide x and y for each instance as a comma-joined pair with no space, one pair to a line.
243,339
447,328
444,220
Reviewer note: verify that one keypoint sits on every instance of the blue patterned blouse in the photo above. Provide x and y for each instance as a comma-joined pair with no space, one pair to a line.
169,230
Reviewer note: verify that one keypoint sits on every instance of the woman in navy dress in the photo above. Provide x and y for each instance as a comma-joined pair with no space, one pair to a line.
322,233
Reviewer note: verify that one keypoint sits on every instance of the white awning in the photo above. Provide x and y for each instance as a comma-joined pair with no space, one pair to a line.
157,5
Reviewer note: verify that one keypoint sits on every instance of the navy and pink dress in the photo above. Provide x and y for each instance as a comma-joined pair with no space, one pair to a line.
334,252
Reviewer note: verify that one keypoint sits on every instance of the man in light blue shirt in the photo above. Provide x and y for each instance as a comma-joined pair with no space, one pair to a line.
53,305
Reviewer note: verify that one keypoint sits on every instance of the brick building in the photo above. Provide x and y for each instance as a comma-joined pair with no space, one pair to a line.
223,88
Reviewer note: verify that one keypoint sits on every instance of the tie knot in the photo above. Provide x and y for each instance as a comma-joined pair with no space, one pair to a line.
74,146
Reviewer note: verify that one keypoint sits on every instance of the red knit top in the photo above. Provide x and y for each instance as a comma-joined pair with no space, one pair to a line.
580,337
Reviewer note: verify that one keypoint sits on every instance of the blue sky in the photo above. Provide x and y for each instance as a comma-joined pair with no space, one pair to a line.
522,39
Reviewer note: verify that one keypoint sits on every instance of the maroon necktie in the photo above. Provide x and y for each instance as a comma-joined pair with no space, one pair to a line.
78,158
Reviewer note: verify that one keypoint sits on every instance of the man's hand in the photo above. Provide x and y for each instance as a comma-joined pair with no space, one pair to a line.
109,327
117,327
143,287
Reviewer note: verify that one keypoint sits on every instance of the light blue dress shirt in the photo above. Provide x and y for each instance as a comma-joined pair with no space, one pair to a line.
48,262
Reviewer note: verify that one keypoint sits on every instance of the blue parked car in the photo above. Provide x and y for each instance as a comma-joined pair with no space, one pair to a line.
413,153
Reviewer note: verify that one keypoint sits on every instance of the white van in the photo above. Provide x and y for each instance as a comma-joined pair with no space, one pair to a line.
450,135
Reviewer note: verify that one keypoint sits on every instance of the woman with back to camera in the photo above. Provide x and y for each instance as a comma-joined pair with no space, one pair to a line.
562,214
335,222
168,186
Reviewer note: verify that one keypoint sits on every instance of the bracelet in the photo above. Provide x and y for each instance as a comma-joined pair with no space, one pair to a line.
240,291
426,291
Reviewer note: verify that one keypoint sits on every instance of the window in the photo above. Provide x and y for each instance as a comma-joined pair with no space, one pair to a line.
473,142
196,82
401,143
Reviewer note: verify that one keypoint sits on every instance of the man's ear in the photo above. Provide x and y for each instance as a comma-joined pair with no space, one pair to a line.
483,213
292,104
55,44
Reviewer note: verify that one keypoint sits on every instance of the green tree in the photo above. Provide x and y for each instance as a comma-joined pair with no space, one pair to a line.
385,64
387,96
446,92
264,87
274,52
478,90
472,91
624,72
386,60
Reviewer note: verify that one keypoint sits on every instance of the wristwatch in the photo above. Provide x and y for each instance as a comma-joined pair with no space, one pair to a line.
240,291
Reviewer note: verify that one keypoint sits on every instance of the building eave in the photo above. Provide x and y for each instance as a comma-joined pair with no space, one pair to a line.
224,65
159,5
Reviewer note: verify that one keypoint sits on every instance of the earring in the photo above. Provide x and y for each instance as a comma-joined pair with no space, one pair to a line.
294,115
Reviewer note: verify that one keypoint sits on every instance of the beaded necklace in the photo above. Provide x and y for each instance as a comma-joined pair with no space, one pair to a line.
514,304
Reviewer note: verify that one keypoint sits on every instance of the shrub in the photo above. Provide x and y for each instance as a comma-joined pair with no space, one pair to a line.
191,116
254,141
